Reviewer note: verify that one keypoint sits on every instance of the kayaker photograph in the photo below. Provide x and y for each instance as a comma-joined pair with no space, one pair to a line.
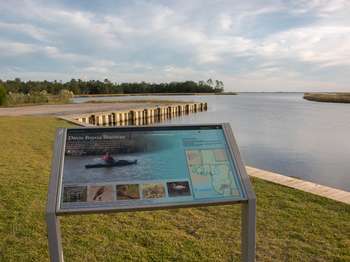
100,158
109,161
108,158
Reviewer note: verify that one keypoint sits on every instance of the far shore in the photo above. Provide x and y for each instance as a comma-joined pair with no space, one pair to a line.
328,97
156,94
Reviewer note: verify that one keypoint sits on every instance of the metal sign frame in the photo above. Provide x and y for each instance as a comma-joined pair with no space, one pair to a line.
248,203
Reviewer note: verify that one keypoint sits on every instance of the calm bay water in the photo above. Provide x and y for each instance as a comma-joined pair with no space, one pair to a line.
280,132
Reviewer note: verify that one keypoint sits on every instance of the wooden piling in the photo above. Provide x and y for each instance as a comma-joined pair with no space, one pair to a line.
140,116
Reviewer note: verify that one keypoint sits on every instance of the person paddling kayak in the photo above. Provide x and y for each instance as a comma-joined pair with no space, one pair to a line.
109,162
108,158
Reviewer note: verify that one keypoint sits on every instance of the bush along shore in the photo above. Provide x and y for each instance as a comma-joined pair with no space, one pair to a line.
33,98
328,97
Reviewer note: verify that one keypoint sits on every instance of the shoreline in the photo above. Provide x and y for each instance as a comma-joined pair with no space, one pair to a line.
155,94
119,101
80,108
300,184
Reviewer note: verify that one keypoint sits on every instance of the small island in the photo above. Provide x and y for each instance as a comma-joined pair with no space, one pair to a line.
328,97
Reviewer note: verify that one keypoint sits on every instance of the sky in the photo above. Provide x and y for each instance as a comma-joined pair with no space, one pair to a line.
256,45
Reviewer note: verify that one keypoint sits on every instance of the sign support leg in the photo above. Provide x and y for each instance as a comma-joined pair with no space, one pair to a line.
54,237
248,231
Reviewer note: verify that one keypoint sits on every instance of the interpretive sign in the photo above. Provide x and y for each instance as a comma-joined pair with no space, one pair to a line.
144,168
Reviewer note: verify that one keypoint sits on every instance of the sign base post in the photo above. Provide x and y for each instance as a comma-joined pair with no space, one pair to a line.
248,230
54,237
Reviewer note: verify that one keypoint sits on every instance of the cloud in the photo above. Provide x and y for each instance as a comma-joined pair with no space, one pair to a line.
9,48
225,22
240,42
311,44
27,29
321,7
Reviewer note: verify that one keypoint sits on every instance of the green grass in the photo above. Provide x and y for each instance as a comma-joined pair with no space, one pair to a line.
291,225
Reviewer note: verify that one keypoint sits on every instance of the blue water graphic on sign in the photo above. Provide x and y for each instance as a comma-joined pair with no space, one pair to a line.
124,169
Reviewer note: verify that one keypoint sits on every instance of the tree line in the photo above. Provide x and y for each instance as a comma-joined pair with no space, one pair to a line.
91,87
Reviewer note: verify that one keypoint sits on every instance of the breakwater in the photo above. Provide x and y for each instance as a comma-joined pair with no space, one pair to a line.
136,116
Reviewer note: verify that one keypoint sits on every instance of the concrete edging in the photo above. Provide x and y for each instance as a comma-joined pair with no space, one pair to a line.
306,186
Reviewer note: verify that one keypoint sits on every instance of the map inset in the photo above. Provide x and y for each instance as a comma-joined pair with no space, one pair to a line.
211,173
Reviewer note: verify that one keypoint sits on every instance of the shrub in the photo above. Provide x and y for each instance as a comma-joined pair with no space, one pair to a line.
3,95
20,98
42,97
65,95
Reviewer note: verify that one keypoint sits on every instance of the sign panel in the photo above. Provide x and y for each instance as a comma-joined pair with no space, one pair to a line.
147,167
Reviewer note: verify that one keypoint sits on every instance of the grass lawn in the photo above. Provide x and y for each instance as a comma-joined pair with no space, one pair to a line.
291,225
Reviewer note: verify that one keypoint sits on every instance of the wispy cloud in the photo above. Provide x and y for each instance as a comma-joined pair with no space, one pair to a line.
252,45
322,46
12,48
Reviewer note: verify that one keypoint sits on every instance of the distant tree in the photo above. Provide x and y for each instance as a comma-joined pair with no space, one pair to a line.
2,95
219,86
210,82
107,87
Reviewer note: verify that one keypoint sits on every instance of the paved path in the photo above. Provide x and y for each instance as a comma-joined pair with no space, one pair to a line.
325,191
69,108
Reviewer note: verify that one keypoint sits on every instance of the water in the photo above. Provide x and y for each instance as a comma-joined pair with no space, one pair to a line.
151,166
282,133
